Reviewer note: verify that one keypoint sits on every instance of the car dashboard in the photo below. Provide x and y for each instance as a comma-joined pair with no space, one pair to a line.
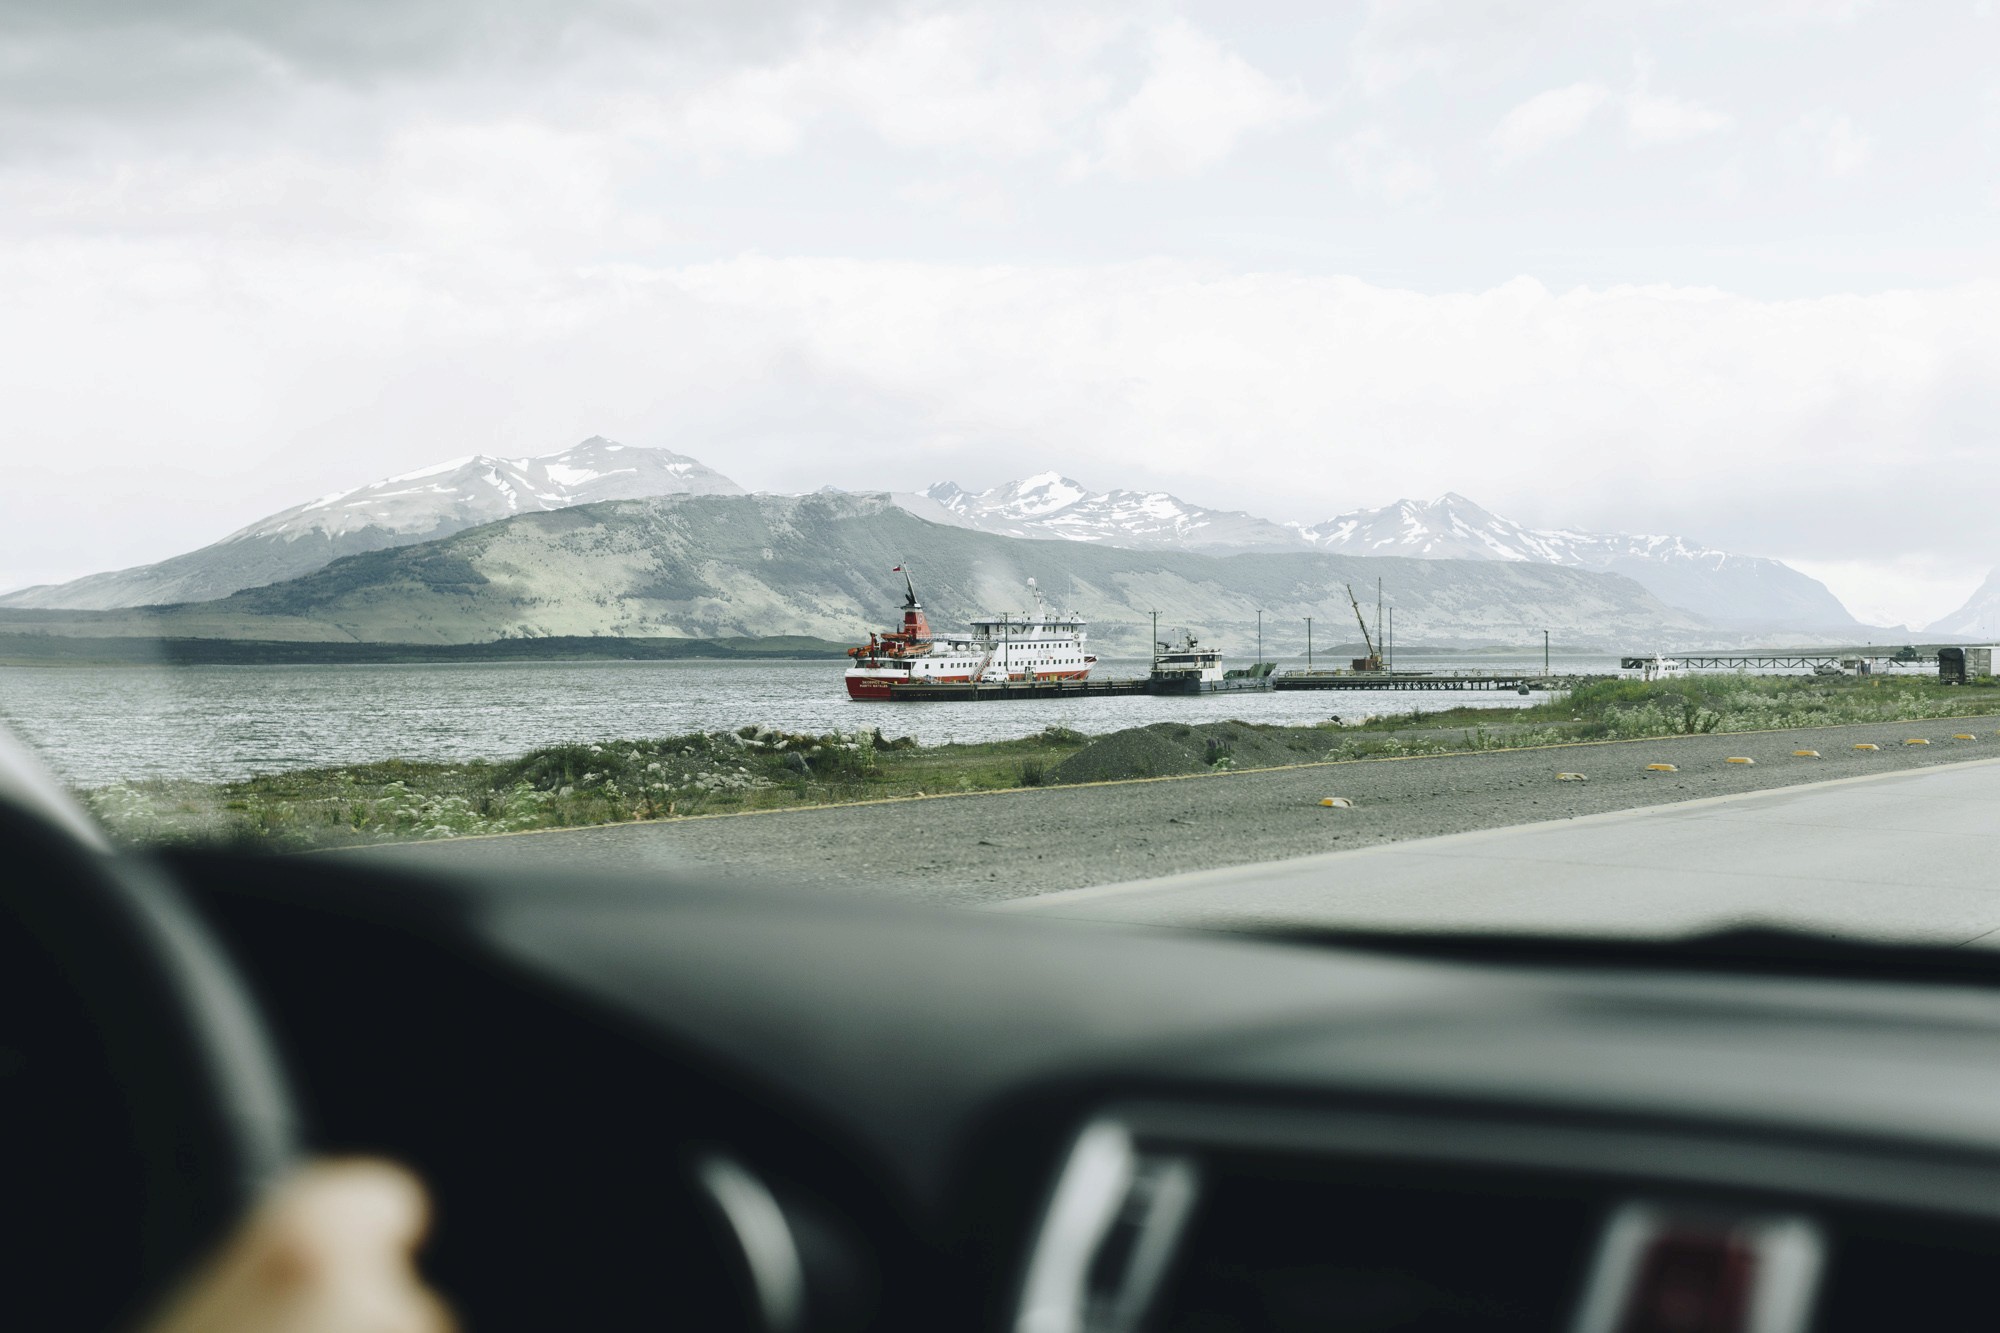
655,1105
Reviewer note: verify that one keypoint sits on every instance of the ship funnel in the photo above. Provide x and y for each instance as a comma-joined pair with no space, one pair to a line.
916,630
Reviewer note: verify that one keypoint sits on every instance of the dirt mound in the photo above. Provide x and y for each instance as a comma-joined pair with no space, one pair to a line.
1166,749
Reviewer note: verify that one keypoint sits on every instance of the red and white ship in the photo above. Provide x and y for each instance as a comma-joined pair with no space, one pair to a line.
1038,645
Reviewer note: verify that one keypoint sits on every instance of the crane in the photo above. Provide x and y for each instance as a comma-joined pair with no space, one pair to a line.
1372,662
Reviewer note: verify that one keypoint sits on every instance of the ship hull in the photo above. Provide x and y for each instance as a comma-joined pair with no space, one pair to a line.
886,685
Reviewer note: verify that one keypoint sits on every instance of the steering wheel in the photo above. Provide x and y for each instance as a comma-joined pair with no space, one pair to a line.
137,1057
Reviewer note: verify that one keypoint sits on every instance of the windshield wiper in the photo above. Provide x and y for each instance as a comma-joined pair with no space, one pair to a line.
1760,950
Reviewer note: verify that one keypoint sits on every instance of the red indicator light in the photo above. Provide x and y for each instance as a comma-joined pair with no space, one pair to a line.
1662,1269
1691,1282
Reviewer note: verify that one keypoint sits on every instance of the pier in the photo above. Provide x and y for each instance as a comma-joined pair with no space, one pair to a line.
1838,659
1406,680
967,691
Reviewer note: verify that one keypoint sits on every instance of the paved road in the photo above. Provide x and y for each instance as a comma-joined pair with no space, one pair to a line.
1911,855
985,848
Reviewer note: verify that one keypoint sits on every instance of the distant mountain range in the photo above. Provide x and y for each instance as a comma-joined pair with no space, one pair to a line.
415,507
1978,619
710,566
1731,592
1734,591
1051,505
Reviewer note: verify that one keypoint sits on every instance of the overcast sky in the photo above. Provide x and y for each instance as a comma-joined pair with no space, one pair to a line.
1722,269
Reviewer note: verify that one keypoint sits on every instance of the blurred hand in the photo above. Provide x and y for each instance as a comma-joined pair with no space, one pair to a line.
330,1251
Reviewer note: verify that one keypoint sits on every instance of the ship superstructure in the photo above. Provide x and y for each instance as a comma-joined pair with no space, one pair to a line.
1038,645
1185,667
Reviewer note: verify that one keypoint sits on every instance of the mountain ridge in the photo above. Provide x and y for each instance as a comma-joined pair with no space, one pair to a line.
1050,505
1737,591
1733,592
817,565
1740,592
423,505
1979,618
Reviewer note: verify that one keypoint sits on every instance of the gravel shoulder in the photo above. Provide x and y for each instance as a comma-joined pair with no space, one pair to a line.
976,848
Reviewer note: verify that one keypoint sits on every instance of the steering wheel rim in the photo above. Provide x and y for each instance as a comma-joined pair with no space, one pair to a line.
211,1110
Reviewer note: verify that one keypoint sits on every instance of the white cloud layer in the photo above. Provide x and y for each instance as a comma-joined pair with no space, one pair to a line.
1655,118
1547,119
1012,85
1826,143
1378,168
1198,101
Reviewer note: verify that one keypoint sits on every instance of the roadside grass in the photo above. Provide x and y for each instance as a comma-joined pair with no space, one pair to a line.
763,768
1691,705
563,786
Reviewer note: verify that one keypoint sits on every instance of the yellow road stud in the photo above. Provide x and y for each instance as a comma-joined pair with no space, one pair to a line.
1918,740
1336,802
1739,759
1867,745
1571,777
1663,768
1805,754
1963,736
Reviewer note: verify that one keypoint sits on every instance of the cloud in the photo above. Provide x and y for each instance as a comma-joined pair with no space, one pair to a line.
1008,84
1825,141
1402,40
1655,118
1377,168
1199,99
973,197
1546,119
1003,83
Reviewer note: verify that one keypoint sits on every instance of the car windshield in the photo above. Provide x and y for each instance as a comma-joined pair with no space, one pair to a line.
1341,465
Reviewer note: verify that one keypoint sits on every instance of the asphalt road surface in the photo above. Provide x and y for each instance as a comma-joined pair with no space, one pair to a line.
983,848
1894,855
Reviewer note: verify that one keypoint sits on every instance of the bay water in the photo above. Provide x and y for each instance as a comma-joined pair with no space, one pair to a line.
100,724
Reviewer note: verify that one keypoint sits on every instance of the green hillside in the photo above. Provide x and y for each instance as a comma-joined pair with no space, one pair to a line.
713,567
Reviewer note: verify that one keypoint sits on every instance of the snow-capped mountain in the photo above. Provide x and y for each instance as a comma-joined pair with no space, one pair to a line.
465,492
1736,590
417,506
1450,527
1049,505
1979,618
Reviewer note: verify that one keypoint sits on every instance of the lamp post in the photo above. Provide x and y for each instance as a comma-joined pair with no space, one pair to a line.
1545,652
1260,638
1309,643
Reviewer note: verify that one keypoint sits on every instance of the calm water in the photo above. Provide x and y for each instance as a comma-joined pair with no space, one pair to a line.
102,724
